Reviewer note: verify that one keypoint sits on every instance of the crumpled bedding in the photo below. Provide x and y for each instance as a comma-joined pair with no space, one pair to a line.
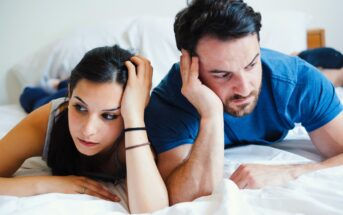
318,192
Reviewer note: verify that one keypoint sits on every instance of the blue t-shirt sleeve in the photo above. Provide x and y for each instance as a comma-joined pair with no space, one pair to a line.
318,102
169,126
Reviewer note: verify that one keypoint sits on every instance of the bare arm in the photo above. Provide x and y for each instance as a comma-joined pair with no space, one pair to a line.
334,75
26,140
194,171
328,139
197,172
146,189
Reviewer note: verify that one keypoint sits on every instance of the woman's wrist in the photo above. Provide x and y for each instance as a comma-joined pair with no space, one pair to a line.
41,184
134,122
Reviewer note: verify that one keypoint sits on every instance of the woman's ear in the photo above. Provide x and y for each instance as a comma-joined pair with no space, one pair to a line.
69,91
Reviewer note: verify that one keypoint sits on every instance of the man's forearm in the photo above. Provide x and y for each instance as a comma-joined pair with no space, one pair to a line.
203,170
330,162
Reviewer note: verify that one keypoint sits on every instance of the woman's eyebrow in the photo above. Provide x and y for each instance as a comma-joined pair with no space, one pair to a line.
105,110
112,109
78,98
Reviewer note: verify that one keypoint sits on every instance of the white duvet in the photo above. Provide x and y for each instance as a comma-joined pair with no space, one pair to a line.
316,193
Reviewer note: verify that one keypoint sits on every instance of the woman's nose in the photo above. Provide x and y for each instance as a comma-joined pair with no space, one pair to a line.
89,127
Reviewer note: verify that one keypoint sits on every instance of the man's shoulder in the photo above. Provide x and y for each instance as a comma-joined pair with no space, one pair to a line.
284,68
171,83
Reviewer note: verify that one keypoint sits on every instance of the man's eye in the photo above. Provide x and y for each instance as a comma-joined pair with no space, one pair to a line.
109,116
223,75
251,66
80,108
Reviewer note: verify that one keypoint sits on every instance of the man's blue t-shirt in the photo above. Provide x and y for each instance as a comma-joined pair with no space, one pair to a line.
292,91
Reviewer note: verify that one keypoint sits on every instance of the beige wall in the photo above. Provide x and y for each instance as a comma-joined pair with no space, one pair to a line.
326,14
28,25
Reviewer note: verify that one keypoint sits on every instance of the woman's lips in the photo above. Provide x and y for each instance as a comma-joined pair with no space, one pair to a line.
87,143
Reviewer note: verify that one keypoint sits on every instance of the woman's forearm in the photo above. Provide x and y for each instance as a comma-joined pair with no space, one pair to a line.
23,186
146,189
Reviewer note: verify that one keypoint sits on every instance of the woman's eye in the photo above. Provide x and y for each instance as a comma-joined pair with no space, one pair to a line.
109,116
80,108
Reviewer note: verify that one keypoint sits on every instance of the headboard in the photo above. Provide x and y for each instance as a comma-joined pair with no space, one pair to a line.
315,38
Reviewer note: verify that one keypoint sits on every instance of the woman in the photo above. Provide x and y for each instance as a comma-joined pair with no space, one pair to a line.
90,135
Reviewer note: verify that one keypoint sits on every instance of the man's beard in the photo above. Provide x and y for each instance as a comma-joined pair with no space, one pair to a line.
244,109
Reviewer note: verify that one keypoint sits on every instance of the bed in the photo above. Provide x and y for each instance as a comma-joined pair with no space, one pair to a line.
315,193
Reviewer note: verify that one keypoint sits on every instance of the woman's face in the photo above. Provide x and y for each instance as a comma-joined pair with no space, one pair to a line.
95,121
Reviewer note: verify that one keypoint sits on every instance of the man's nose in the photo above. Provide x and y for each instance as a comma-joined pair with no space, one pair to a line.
241,85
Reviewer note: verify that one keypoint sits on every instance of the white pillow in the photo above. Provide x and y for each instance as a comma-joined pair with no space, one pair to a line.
152,37
58,59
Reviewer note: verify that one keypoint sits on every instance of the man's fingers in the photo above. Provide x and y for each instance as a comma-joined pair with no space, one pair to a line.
238,178
185,64
194,71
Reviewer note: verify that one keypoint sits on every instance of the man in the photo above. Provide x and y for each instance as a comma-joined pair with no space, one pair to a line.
328,60
227,91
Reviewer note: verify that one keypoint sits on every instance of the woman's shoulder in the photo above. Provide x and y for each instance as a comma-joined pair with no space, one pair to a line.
40,118
58,105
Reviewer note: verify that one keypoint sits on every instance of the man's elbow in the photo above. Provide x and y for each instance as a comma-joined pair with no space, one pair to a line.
332,152
181,194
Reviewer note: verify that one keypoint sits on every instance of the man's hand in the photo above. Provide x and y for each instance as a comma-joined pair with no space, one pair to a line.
255,176
200,96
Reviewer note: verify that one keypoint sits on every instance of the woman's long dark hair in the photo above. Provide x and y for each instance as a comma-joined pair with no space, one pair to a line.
100,65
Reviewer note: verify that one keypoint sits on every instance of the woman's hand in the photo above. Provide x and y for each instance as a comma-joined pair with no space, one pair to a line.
76,184
137,92
200,96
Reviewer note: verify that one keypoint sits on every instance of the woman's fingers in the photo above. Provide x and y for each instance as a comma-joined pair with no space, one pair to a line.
95,188
140,65
143,65
131,71
144,69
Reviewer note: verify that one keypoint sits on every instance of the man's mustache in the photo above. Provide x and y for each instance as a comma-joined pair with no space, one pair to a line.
236,96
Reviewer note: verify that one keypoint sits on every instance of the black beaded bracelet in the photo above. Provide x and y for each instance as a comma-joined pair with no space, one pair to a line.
134,129
135,146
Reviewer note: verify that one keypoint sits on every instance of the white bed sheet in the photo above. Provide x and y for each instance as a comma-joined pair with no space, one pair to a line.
319,192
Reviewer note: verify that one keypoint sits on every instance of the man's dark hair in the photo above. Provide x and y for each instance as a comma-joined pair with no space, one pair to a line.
223,19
